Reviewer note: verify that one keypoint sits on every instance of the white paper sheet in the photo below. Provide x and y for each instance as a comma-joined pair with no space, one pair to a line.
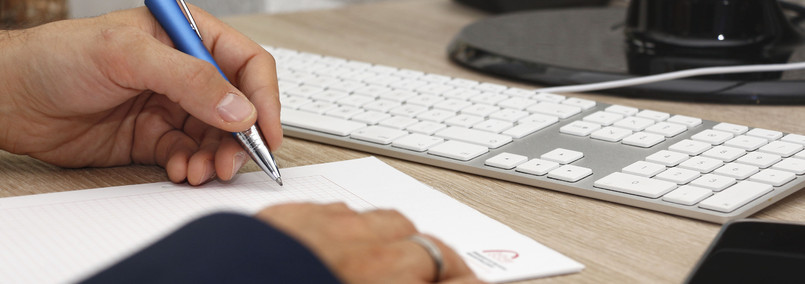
63,237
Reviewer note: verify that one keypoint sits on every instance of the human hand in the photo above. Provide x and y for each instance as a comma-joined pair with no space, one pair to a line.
112,90
369,247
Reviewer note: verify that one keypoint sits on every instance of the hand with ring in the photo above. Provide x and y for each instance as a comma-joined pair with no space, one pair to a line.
379,246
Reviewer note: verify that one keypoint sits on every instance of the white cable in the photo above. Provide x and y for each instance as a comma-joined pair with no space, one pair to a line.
672,76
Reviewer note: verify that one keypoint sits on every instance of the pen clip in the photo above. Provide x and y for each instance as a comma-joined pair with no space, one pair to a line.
190,19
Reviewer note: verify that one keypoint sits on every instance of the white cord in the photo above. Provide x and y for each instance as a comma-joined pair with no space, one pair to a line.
672,76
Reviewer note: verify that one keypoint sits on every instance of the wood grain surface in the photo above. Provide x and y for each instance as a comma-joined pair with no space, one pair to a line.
617,243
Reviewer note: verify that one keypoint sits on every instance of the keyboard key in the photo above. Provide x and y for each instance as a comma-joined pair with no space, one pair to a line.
666,129
523,129
713,137
318,107
611,134
562,156
579,128
378,134
452,105
331,125
537,167
713,182
464,120
793,165
489,98
371,117
794,138
490,87
398,122
481,110
622,110
603,118
731,128
724,153
354,101
417,142
736,170
773,177
345,112
785,149
745,142
372,91
425,100
701,164
458,150
690,147
653,115
517,103
493,125
305,91
582,103
736,196
765,134
644,169
539,119
506,160
667,158
643,139
478,137
687,121
510,115
381,105
408,110
426,127
554,109
760,160
570,173
678,175
548,97
436,115
687,195
634,123
637,185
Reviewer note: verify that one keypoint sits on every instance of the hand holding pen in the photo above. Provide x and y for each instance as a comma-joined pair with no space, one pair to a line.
113,91
186,36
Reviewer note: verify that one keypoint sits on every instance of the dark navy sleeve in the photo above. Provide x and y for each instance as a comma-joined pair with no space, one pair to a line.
221,248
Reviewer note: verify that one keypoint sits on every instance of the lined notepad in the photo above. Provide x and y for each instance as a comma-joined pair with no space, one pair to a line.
63,237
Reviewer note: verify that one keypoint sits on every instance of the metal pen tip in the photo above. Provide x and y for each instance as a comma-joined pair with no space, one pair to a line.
279,180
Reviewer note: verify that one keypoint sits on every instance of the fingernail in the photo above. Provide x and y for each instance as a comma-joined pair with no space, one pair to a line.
234,108
240,160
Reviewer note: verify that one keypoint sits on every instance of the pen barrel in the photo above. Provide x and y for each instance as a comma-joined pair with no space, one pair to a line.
253,142
172,19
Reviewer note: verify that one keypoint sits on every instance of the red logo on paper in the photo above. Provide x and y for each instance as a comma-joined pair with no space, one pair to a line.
502,256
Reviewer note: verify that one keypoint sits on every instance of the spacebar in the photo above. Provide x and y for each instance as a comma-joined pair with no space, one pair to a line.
312,121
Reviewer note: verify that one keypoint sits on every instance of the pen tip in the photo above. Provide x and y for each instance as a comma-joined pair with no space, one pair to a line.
279,181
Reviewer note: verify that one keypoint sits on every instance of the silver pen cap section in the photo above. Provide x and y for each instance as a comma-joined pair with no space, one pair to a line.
256,146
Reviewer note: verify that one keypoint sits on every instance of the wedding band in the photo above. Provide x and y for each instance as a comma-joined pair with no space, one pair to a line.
434,252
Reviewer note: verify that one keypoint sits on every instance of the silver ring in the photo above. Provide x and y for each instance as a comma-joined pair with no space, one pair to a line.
434,252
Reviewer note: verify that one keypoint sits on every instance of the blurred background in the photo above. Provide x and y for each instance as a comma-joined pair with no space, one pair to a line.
26,13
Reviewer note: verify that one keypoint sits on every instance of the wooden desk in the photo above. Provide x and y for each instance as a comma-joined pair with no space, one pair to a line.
618,244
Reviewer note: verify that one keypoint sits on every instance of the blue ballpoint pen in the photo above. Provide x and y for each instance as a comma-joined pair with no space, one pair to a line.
185,35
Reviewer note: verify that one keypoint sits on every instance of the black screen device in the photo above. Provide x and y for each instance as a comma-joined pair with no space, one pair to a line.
754,251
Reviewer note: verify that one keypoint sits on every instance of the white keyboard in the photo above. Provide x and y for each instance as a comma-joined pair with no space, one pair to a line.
659,161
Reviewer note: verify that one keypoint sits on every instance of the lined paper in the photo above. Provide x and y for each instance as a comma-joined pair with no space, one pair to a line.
66,236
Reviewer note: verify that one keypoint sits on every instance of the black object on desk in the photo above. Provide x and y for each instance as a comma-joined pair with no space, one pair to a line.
754,251
590,45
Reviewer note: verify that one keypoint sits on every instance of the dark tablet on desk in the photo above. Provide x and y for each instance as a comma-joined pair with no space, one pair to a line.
753,251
